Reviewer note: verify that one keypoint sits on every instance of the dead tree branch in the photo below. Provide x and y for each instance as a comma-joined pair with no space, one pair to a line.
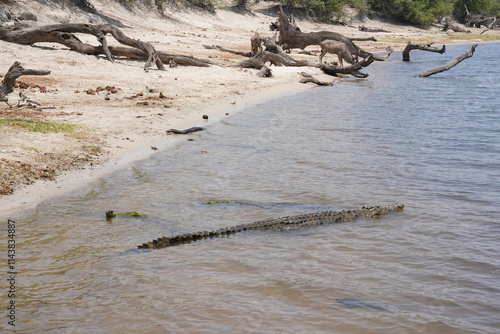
373,39
292,39
15,71
423,47
352,69
63,34
275,59
469,53
309,78
448,26
221,48
366,29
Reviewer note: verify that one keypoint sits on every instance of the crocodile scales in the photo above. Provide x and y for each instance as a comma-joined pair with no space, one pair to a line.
278,224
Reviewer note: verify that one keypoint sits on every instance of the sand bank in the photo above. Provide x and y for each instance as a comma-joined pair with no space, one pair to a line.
122,125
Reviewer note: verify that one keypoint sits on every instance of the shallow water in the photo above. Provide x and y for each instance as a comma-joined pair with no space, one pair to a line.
431,143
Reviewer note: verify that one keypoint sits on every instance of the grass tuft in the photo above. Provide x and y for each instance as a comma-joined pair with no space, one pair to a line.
38,126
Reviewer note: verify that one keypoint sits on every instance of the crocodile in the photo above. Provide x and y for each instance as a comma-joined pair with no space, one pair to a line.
278,224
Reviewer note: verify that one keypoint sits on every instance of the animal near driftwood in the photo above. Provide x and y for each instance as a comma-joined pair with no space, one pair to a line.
337,48
256,43
293,39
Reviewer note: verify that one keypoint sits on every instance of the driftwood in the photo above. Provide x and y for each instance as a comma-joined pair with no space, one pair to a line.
64,34
469,53
221,48
423,47
475,20
309,78
166,58
275,59
15,71
292,39
265,72
352,70
389,52
273,54
448,26
373,39
184,132
365,29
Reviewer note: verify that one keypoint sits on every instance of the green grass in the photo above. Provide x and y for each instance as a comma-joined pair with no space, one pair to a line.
38,126
474,37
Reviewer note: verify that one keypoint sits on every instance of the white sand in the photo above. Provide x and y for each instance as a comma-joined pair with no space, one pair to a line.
127,127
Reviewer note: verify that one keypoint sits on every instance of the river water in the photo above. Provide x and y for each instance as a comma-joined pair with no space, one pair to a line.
430,143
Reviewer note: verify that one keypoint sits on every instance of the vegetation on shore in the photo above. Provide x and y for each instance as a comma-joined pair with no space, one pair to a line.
44,165
39,126
418,12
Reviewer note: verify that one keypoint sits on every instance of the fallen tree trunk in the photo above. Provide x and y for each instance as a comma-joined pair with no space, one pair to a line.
48,34
469,53
275,59
366,29
292,39
352,69
165,58
373,39
60,33
424,47
449,26
221,48
15,71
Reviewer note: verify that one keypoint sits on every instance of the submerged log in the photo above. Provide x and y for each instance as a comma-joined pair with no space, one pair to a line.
424,47
9,81
469,53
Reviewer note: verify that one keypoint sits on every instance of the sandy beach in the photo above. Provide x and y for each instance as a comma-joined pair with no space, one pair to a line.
128,121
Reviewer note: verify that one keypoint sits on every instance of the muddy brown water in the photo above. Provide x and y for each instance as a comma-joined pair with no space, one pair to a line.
433,144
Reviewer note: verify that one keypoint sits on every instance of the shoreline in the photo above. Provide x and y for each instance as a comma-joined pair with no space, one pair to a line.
28,197
121,127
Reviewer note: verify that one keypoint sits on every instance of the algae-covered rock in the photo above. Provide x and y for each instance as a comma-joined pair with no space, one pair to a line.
111,214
